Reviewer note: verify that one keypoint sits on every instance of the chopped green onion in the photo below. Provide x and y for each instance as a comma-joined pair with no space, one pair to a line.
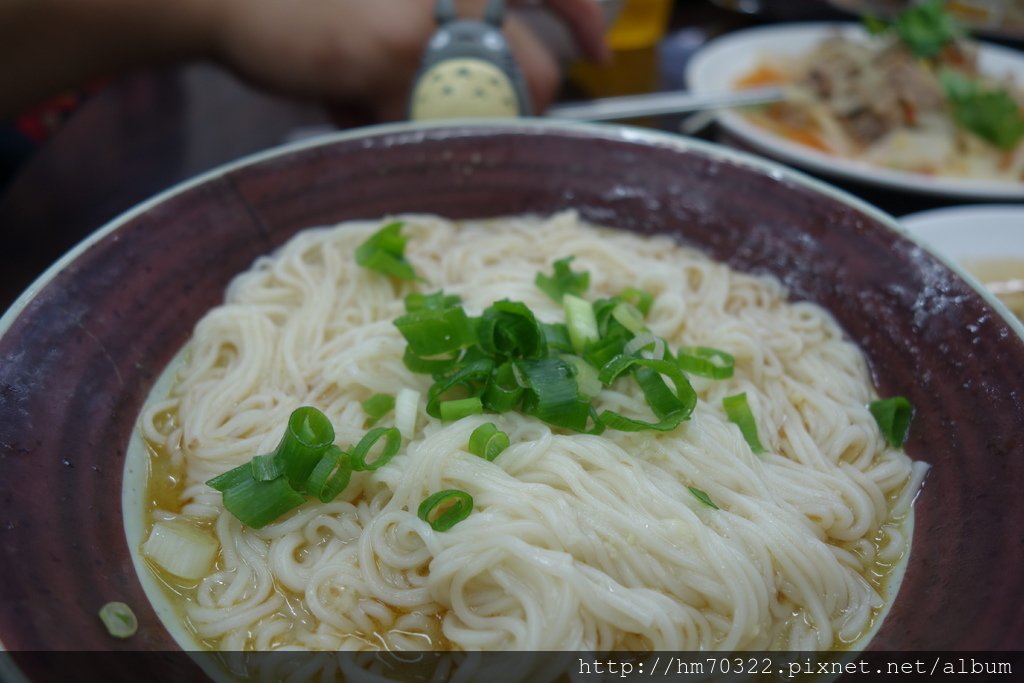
392,442
556,336
266,467
487,441
503,391
508,329
429,366
629,316
445,509
638,298
433,332
579,318
234,476
587,381
309,434
307,463
738,410
331,475
706,362
415,301
258,503
646,341
460,408
384,252
606,349
893,416
377,406
703,497
671,408
470,377
552,393
119,619
563,280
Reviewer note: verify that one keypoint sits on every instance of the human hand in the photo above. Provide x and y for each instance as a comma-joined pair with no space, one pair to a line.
353,52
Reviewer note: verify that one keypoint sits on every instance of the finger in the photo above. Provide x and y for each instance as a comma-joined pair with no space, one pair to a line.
587,22
540,69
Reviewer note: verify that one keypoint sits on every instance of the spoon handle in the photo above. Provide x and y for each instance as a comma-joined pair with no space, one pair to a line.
654,104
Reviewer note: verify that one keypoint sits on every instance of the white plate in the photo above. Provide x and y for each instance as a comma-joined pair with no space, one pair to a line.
972,234
718,65
992,18
985,242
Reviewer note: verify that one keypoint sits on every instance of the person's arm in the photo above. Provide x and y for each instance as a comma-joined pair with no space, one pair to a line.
330,50
47,46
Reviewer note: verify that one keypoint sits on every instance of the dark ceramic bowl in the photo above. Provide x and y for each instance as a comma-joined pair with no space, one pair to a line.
81,349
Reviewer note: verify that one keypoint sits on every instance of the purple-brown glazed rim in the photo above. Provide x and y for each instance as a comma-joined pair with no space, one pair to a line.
79,351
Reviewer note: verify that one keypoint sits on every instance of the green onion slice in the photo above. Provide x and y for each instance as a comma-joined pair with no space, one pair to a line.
459,408
487,441
438,301
331,475
629,316
258,503
392,442
703,497
670,407
552,394
445,509
472,377
309,434
607,348
503,392
508,329
429,366
580,319
377,406
234,476
738,411
119,619
556,336
639,298
266,467
433,332
893,416
706,362
384,252
563,280
588,382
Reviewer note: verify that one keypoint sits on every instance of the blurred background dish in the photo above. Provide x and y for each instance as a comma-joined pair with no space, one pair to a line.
986,239
724,62
1001,19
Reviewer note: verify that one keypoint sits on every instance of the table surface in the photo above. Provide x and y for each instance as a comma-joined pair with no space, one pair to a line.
150,130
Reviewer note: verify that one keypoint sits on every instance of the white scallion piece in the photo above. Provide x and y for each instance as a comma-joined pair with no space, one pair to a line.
119,619
407,406
181,550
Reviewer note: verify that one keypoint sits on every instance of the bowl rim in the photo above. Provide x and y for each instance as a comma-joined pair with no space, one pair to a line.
473,127
625,133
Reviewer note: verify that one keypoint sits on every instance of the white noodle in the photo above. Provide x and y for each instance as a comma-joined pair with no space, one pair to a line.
576,542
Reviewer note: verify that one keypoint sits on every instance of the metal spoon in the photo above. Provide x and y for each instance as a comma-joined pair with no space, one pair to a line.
656,104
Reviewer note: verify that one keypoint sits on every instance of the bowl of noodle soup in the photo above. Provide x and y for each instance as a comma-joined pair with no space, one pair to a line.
174,344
